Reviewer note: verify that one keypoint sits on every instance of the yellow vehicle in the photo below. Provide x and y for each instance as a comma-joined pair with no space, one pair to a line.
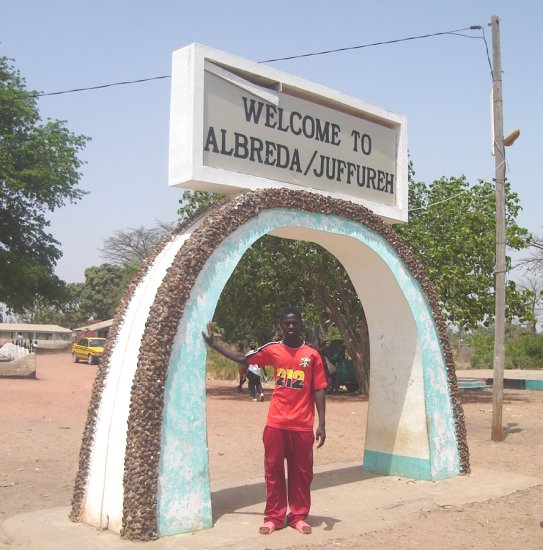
89,349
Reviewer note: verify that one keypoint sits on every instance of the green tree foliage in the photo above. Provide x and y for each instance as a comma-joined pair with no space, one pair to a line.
194,203
531,287
102,290
262,284
452,228
523,350
43,313
39,172
64,313
72,316
275,273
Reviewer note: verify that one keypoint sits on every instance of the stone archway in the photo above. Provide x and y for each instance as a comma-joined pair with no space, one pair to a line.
143,464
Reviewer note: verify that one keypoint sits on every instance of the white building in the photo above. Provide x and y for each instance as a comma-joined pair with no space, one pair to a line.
47,336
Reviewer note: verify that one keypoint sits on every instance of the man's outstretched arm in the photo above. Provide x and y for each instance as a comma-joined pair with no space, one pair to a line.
211,341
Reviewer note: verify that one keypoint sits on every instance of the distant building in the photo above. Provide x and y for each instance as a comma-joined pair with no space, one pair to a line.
47,336
99,329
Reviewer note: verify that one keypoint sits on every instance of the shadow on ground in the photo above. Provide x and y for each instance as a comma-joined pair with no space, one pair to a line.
485,396
227,501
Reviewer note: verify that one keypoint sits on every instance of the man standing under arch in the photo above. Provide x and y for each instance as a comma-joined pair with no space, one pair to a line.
300,385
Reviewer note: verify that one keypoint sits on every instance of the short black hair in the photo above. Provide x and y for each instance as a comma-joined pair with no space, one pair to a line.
290,311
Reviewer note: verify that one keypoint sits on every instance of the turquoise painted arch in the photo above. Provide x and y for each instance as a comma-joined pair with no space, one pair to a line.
403,338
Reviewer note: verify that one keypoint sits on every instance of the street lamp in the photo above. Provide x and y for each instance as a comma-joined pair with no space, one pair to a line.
511,137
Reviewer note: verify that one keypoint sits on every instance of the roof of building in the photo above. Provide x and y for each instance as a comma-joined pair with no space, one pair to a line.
96,326
27,327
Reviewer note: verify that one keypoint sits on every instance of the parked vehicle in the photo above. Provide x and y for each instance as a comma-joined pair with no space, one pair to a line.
89,349
345,375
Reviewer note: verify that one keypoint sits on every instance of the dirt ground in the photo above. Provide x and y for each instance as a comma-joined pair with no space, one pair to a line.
41,422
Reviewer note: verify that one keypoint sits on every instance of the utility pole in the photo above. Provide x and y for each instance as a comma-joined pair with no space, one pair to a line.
499,156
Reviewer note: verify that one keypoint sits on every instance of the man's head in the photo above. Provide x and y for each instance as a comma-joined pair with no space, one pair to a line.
291,324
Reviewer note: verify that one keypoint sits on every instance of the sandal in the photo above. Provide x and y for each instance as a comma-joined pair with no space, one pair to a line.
303,527
267,528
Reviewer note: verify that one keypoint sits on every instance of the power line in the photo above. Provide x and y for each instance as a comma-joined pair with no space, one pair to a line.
427,206
104,86
291,57
324,52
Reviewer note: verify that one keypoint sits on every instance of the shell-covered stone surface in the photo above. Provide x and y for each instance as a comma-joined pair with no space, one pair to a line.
147,397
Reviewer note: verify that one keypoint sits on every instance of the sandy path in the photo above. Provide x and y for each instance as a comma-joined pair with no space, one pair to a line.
41,422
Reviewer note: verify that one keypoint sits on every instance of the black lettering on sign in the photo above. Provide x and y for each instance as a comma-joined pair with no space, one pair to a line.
274,117
251,112
342,171
361,142
254,149
241,151
211,141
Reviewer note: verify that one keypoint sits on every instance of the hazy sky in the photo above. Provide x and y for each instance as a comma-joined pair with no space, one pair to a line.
442,84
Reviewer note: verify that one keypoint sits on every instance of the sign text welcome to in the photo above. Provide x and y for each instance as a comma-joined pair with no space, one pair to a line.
236,124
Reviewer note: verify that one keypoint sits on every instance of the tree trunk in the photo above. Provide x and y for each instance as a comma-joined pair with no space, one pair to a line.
363,371
354,333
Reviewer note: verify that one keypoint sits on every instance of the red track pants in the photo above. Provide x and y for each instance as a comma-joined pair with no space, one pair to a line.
297,449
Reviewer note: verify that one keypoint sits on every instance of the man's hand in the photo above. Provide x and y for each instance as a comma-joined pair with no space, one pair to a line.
210,336
320,403
320,436
215,344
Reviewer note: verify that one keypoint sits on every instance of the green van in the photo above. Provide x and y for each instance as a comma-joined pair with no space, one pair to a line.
334,351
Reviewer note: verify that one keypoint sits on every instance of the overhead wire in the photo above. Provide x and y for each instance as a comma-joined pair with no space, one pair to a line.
287,58
100,86
324,52
426,206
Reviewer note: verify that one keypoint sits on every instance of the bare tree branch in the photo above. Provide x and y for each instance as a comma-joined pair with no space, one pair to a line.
534,262
134,245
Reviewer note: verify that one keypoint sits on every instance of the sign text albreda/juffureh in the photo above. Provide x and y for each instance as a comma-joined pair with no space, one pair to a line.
276,154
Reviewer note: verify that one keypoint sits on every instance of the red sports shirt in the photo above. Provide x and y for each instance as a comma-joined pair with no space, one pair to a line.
298,373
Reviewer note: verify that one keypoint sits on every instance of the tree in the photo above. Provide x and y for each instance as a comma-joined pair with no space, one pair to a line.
39,172
103,289
532,288
452,228
43,313
66,313
269,277
534,262
194,203
532,283
133,246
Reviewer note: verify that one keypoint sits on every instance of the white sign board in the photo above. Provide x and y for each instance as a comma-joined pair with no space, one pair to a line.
237,125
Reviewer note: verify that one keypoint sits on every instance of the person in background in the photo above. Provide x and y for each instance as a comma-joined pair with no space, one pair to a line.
242,372
330,367
254,376
300,384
